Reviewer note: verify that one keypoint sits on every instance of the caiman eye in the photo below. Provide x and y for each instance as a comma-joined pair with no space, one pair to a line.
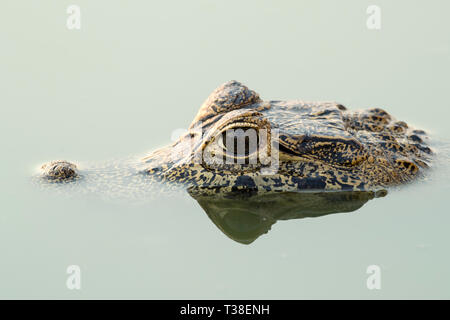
221,140
239,142
241,146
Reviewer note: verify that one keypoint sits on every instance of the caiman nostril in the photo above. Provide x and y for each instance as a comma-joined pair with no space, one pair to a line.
59,171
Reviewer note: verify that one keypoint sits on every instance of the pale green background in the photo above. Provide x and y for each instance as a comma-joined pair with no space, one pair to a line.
137,70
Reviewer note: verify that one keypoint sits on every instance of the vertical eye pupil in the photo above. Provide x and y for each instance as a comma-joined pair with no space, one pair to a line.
240,142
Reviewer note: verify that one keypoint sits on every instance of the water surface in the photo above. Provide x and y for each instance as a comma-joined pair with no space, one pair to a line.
136,73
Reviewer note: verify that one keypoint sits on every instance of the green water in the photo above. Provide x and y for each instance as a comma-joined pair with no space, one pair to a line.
137,71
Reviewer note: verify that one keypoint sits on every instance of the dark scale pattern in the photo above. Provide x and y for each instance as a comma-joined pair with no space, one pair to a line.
60,171
322,146
229,96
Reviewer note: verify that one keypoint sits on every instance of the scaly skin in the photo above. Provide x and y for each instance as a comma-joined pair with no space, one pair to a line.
307,145
322,146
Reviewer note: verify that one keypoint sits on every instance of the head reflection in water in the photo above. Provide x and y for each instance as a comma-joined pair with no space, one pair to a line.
243,218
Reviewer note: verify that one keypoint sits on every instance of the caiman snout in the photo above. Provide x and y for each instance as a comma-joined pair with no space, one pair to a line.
59,171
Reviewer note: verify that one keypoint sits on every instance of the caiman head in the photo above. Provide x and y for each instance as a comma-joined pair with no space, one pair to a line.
238,142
